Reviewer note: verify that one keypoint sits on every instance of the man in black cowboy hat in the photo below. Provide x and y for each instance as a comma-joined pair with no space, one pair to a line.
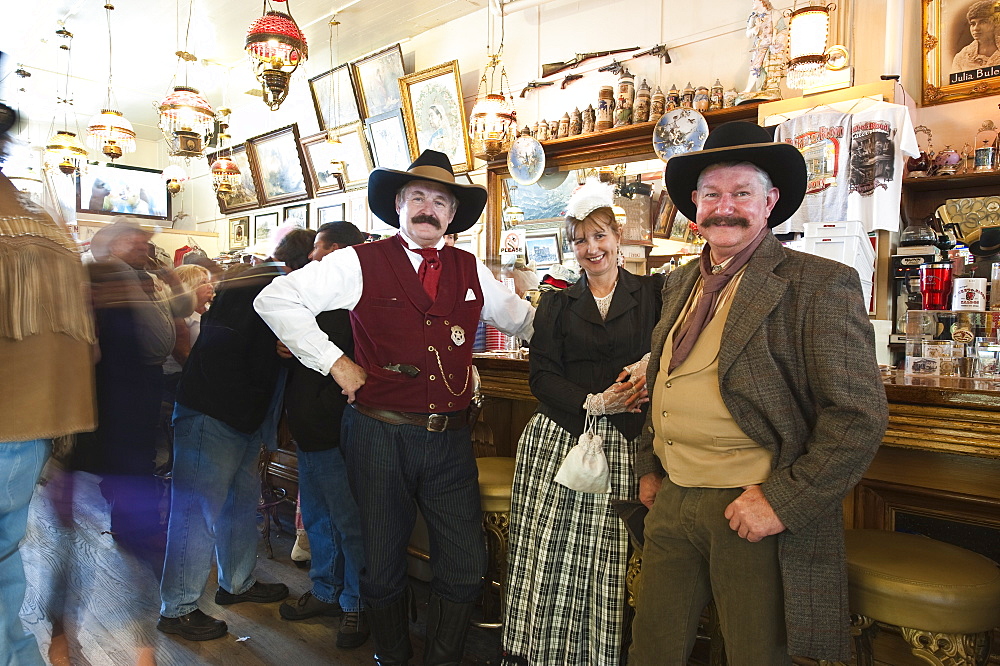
745,481
415,303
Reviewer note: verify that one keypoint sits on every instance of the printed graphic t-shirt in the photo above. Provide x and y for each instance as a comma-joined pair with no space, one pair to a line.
823,138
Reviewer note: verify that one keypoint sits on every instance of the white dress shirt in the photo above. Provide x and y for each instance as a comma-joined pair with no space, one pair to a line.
289,304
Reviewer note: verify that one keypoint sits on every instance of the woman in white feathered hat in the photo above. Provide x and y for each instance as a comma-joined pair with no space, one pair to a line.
565,599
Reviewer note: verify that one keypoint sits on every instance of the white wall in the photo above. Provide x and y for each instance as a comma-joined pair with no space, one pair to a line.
706,41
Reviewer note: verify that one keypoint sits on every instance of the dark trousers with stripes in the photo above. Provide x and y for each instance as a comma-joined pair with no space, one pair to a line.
393,469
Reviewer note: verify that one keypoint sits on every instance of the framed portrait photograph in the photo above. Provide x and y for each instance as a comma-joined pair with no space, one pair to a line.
239,232
264,225
377,78
297,215
334,97
322,164
961,54
355,156
543,248
244,195
387,136
122,190
276,158
334,213
435,117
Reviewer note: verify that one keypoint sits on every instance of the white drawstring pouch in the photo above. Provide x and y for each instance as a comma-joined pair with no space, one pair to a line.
585,467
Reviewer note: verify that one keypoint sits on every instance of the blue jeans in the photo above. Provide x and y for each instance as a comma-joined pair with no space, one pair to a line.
396,468
20,465
333,524
214,497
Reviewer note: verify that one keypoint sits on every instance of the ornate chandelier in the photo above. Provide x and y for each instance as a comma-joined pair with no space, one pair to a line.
493,121
64,151
276,47
225,175
186,121
808,54
109,131
174,176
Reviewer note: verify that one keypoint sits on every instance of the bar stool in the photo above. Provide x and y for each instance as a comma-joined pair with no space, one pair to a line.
496,480
944,599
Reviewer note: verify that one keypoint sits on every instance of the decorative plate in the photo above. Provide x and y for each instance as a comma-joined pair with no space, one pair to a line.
526,160
679,131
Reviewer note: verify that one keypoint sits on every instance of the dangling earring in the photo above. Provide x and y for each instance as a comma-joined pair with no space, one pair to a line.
621,257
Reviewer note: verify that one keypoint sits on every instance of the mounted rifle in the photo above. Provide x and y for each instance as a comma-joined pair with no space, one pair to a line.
556,67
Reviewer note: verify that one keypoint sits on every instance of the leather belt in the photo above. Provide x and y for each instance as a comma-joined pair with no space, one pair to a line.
432,422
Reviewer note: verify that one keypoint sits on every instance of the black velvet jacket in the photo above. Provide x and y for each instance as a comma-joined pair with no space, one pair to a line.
314,403
574,353
233,368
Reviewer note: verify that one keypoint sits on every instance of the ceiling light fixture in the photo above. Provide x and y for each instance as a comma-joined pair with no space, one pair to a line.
332,137
809,57
225,175
64,151
493,121
276,47
187,120
109,131
175,177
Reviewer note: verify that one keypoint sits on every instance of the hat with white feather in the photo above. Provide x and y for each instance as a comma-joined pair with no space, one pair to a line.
590,196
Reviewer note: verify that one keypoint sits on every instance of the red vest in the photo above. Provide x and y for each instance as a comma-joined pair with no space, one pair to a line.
395,322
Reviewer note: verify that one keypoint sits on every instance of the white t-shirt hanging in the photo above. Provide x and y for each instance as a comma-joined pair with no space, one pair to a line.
823,138
881,135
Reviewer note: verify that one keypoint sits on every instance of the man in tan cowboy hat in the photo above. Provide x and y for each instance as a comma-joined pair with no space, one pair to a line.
766,408
415,303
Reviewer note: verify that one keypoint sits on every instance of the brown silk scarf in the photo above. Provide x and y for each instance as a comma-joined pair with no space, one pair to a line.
697,319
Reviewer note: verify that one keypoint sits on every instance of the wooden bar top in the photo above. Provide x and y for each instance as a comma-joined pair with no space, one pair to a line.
944,414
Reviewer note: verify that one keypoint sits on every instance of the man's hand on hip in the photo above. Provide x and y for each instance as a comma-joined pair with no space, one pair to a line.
349,376
649,485
751,516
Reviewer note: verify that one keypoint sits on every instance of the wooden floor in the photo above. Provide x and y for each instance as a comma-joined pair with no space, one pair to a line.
108,600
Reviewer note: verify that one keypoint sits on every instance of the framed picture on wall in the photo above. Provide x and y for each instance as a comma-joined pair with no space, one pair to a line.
277,162
377,77
297,215
239,232
334,213
543,248
435,117
122,190
244,194
334,97
961,59
355,155
264,225
387,136
322,165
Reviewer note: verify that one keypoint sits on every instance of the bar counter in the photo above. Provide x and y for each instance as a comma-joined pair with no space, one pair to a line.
937,471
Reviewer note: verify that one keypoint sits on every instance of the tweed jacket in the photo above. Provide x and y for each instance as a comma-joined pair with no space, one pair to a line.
797,371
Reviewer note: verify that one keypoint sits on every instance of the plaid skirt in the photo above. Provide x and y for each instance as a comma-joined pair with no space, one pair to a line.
565,598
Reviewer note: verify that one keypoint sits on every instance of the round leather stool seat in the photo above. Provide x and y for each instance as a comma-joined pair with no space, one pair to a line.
496,478
913,581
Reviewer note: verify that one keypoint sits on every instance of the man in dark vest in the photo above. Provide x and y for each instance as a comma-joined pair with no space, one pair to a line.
415,303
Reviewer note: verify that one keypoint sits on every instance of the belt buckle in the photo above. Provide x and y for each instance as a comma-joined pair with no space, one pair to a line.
437,422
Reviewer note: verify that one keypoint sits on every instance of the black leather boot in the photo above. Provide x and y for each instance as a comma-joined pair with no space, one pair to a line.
447,625
390,631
